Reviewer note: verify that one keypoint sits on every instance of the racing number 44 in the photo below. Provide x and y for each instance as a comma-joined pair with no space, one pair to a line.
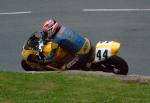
102,53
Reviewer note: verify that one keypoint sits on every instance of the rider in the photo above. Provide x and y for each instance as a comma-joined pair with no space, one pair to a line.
57,35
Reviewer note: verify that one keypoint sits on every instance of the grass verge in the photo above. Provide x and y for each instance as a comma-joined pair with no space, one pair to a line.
69,88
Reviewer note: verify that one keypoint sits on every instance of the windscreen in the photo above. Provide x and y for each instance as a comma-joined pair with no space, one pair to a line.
34,42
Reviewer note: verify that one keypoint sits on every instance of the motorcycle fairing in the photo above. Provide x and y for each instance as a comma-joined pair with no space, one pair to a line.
106,49
26,53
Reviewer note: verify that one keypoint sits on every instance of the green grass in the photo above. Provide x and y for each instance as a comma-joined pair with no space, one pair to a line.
69,88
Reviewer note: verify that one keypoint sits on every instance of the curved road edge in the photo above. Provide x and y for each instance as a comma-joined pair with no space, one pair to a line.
131,78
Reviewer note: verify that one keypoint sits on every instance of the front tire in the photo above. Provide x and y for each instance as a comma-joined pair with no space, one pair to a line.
26,66
33,67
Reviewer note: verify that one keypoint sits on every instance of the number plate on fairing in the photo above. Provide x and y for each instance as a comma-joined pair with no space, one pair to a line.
103,51
102,54
106,49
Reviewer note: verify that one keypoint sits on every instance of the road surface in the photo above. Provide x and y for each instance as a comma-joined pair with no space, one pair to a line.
126,21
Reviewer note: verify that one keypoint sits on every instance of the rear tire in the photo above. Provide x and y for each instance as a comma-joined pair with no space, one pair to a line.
118,65
114,64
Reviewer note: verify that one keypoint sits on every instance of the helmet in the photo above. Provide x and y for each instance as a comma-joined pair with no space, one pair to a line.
50,27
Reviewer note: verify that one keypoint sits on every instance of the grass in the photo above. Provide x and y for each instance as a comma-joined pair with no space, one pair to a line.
69,88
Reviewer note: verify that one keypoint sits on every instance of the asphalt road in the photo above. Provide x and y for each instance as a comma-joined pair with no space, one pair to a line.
131,28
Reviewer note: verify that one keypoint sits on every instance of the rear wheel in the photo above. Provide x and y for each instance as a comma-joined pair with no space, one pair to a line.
118,65
115,64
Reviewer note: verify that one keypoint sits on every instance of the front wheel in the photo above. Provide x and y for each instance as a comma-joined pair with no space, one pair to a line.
34,67
26,66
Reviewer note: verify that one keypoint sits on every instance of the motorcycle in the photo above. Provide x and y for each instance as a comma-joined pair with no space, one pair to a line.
105,59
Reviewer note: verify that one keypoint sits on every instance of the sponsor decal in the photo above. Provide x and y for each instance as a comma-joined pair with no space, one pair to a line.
72,62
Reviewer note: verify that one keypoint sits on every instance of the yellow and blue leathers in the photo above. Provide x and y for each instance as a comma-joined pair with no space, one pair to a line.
67,39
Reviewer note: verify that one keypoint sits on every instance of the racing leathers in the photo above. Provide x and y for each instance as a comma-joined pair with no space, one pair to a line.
69,40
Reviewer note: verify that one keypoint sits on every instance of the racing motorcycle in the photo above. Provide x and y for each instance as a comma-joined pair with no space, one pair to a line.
105,59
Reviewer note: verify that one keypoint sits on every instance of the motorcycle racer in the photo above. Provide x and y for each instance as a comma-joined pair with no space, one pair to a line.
58,35
105,59
59,48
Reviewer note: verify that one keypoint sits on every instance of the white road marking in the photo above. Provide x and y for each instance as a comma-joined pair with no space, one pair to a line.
11,13
88,10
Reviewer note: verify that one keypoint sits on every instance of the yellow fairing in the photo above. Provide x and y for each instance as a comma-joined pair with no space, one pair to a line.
114,46
49,47
60,53
26,53
105,50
